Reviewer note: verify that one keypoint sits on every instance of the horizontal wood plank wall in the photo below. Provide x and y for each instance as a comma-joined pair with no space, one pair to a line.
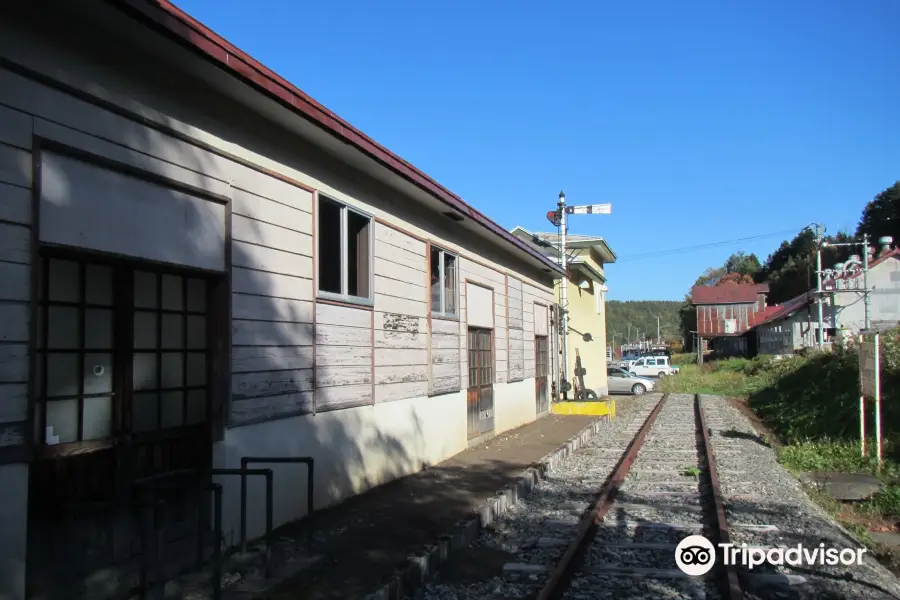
463,335
401,329
516,333
272,306
272,303
343,357
483,275
530,294
16,129
445,356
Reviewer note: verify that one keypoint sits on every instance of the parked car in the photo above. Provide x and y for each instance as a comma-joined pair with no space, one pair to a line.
627,358
623,382
652,366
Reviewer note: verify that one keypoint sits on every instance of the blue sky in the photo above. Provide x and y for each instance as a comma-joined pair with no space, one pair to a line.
701,121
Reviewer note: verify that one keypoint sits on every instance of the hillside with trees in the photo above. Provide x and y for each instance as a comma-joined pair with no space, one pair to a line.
641,316
790,269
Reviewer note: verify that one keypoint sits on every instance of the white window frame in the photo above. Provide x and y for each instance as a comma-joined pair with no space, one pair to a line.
443,274
344,296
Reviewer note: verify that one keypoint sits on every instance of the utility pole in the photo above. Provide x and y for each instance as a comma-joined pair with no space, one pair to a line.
658,336
558,218
820,230
851,267
867,302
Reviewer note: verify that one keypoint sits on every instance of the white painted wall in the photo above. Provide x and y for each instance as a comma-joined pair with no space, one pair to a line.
884,279
378,443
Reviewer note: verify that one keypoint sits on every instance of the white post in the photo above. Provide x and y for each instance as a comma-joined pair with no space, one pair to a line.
878,400
563,294
658,337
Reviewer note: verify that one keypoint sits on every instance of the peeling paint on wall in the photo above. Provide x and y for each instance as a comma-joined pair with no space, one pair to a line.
401,323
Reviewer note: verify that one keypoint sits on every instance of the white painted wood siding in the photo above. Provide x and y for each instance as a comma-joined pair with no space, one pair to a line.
343,374
445,356
541,320
516,357
272,305
15,272
93,207
401,329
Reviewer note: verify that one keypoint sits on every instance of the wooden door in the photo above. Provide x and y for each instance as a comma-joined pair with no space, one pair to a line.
542,371
120,394
480,399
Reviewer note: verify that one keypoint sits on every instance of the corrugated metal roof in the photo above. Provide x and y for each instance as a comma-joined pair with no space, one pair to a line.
728,293
780,311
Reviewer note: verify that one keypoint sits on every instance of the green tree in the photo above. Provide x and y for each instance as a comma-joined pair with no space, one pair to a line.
641,316
742,264
881,215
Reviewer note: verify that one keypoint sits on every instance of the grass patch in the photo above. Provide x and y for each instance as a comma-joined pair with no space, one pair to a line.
726,378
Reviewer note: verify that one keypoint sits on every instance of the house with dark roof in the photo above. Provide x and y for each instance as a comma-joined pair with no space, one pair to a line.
586,297
200,263
725,313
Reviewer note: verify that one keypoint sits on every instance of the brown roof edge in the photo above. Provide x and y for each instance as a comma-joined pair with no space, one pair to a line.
176,22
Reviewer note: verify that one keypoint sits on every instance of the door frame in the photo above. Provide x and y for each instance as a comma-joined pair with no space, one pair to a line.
483,384
117,454
542,374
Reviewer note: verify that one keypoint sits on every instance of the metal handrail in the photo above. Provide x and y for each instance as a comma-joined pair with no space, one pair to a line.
309,461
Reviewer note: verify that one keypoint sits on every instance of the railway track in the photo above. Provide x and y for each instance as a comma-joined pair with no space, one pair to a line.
608,523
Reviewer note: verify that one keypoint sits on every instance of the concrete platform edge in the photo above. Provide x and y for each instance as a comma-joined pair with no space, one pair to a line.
425,563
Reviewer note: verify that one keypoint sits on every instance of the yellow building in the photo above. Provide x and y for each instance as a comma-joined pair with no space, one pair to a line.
586,298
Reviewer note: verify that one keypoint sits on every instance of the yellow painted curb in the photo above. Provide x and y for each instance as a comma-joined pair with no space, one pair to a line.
601,408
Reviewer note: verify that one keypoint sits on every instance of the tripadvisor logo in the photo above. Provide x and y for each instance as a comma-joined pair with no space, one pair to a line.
695,555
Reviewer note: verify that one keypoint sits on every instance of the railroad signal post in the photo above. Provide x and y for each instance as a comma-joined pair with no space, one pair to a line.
559,219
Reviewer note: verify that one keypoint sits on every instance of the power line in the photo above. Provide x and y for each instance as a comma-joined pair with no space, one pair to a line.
706,246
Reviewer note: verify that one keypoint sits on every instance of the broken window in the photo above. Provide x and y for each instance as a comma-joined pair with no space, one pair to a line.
443,282
345,250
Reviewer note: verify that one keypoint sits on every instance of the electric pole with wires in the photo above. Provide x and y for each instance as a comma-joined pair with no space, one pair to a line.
559,219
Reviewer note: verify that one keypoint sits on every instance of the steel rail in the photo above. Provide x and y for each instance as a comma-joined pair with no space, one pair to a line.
561,575
732,585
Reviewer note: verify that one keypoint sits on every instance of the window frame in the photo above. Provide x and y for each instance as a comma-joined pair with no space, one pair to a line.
442,282
344,296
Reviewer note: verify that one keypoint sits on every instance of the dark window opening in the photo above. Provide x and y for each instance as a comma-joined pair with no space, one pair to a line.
345,253
329,234
358,254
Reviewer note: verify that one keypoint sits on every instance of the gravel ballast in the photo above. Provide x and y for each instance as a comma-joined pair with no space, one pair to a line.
662,500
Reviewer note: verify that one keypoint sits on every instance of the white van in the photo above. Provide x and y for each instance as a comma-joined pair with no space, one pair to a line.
652,366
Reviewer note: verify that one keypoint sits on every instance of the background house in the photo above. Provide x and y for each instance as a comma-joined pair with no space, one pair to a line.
586,295
200,263
848,302
725,313
793,325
